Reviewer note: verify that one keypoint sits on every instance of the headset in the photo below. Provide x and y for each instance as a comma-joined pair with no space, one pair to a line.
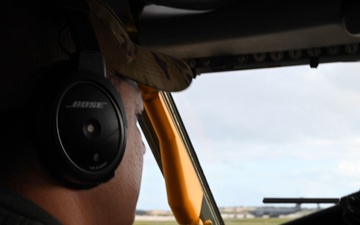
83,132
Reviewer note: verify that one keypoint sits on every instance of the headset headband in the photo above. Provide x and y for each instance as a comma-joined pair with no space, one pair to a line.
85,38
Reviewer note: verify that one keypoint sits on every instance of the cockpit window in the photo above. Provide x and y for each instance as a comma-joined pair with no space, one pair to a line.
279,132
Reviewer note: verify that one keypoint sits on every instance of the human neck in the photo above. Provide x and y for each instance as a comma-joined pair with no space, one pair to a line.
62,203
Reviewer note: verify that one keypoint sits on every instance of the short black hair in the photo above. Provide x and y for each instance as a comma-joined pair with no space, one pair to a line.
29,37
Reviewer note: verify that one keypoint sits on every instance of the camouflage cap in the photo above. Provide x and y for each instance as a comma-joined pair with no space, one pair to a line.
123,57
29,41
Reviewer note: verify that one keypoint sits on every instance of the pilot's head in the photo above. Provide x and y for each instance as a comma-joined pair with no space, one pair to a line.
57,121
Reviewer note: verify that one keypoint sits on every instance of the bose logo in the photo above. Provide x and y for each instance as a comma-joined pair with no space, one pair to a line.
87,105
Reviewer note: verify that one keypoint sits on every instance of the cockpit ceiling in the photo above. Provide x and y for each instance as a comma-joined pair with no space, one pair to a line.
251,27
194,4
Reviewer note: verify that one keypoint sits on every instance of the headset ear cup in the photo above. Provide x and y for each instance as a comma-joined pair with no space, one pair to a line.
83,135
85,122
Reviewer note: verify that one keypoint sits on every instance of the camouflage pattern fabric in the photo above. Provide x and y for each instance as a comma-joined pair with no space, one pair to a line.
150,68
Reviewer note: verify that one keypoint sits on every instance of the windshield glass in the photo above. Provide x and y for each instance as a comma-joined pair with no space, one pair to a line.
280,132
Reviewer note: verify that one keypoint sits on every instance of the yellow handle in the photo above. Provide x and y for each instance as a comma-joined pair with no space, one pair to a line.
183,187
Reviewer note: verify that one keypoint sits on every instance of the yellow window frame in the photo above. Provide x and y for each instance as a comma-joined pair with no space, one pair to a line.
188,194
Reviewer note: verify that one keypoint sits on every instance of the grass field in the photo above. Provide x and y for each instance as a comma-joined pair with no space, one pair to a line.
270,221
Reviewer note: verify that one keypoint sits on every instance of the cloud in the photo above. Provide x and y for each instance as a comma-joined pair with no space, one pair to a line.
270,107
349,168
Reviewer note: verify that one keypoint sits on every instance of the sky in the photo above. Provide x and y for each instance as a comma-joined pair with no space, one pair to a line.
279,132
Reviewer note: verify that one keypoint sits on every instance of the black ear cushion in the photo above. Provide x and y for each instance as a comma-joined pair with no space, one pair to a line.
83,136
